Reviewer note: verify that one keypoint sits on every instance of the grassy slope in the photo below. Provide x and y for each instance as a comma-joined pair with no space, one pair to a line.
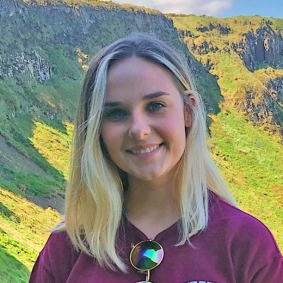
22,235
251,162
249,158
24,225
53,144
40,144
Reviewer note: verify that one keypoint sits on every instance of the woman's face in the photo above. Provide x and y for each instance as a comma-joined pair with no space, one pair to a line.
144,120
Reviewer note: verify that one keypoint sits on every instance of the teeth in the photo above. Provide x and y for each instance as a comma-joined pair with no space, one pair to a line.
146,150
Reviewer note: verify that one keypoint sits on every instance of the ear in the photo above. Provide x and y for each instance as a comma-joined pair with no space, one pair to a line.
189,102
187,115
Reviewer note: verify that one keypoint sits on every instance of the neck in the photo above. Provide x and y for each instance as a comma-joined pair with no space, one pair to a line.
151,207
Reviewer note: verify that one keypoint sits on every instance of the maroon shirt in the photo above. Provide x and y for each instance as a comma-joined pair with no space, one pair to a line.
234,248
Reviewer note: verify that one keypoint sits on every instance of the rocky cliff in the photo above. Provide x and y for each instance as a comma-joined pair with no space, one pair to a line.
262,46
45,46
246,55
44,50
258,49
33,29
51,42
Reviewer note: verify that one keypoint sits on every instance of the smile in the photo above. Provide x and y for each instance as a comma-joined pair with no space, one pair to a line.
145,150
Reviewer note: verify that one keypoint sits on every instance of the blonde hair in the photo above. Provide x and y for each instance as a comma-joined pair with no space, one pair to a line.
95,191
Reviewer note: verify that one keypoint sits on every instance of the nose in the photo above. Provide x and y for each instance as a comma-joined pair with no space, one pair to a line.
139,127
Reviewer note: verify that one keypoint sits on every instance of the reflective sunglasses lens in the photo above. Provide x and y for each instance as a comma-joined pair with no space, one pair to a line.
146,255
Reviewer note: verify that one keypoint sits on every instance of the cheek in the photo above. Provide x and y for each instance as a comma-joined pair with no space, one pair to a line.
108,132
109,136
174,131
177,123
179,142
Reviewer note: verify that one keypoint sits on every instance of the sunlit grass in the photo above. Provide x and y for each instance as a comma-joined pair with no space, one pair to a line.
249,158
23,231
251,161
53,144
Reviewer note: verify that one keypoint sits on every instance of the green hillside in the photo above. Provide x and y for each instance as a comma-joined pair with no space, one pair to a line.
23,232
229,49
247,150
44,50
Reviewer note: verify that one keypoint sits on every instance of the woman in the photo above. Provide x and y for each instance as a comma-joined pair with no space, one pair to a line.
145,202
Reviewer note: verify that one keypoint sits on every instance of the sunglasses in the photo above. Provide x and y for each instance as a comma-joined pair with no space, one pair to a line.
145,256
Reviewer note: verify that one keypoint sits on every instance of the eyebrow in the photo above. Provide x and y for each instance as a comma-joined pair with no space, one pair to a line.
145,97
154,95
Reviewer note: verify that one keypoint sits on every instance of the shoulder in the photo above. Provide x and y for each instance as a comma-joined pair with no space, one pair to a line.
57,258
246,239
59,246
250,245
59,239
236,220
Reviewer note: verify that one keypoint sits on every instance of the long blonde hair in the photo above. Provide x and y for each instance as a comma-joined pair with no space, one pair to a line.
95,191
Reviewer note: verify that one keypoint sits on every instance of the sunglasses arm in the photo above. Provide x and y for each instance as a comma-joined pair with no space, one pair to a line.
147,275
147,278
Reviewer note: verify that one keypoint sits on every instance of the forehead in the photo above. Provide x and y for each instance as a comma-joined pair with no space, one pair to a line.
136,64
136,76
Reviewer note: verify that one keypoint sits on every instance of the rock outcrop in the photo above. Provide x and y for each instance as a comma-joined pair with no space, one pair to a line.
262,46
37,28
26,62
40,40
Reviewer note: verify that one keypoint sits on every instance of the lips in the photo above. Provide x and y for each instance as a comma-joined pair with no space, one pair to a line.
144,149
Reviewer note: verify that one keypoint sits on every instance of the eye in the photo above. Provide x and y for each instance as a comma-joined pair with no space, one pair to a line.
115,114
155,106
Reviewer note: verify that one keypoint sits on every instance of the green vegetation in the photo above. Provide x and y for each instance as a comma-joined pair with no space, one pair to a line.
33,183
36,116
218,45
214,50
53,144
248,152
20,135
94,3
48,146
251,162
23,233
9,263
